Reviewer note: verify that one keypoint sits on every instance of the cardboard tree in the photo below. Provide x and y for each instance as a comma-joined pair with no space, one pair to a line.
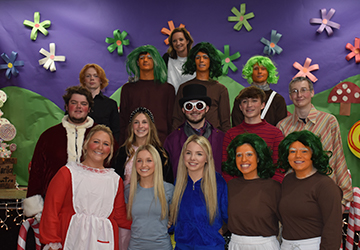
345,93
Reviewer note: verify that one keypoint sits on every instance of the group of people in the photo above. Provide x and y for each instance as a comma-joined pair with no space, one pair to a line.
181,167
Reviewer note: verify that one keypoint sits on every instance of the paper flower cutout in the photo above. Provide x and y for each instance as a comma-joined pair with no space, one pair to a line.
37,26
306,69
50,59
355,50
325,22
166,31
117,42
241,18
226,60
10,64
271,47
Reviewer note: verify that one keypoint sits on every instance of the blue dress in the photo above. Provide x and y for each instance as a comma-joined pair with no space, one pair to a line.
192,229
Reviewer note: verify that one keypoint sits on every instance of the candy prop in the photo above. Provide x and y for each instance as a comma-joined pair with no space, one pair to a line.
354,139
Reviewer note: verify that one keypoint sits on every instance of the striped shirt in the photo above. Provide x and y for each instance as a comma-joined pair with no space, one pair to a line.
327,127
269,133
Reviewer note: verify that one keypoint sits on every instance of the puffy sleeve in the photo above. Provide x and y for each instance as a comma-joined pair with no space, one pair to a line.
52,222
120,208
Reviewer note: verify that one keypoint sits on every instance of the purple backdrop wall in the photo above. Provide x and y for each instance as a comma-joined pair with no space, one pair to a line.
79,29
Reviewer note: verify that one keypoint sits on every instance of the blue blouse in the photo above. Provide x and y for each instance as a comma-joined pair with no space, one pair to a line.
192,229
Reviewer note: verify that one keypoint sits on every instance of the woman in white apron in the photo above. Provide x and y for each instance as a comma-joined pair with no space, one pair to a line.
85,204
310,205
254,196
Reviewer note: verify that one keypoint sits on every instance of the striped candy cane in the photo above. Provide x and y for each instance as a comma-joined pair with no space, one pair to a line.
23,233
354,219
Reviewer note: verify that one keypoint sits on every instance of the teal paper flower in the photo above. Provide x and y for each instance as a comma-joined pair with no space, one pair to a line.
37,26
10,64
241,18
117,42
226,60
271,47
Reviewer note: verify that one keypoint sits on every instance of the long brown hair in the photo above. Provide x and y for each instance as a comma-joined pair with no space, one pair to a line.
152,138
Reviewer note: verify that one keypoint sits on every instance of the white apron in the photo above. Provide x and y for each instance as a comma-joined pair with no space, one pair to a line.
94,192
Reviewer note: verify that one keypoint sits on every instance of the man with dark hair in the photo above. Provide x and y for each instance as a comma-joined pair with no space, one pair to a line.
205,61
251,102
194,104
324,125
149,89
58,145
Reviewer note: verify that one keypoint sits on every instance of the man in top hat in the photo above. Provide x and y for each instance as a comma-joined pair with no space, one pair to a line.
194,105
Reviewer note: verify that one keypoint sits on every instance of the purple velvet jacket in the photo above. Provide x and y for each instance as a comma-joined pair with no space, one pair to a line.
174,142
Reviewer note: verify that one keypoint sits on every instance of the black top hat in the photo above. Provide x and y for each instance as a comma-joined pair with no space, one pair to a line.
195,92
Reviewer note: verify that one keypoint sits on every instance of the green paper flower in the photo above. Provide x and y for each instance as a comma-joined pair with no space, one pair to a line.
241,18
37,26
117,42
226,60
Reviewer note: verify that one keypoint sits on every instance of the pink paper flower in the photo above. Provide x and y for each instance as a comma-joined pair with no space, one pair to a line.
355,50
306,69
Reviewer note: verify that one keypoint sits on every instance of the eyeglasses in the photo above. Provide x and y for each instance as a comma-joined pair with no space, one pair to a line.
200,105
297,91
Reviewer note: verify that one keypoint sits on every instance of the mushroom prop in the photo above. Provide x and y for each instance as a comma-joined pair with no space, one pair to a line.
345,93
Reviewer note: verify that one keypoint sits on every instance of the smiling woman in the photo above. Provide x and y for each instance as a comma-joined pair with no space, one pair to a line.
202,191
85,194
148,198
249,158
180,42
310,205
141,130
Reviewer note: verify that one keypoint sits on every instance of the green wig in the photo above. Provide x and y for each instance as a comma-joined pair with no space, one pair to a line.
132,67
320,158
189,66
265,167
261,61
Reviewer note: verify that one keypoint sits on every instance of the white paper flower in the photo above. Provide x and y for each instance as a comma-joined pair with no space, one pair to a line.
50,59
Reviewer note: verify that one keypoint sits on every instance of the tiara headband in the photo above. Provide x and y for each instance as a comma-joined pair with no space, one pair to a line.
141,110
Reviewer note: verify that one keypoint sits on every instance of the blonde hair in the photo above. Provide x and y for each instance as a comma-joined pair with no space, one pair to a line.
208,181
159,190
152,138
95,129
